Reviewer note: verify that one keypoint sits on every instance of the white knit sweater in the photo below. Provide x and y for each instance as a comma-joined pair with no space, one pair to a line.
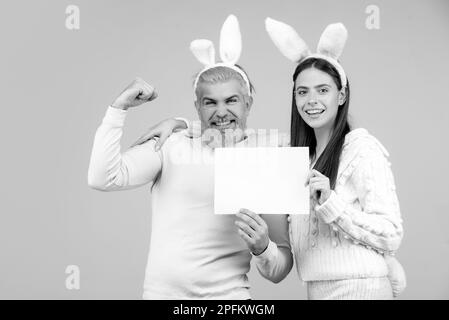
347,236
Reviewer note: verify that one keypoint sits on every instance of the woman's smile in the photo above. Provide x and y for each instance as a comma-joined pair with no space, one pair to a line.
314,113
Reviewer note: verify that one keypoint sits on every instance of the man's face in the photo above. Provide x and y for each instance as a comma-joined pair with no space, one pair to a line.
223,106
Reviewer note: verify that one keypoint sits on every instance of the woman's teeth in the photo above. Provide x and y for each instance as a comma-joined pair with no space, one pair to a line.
314,111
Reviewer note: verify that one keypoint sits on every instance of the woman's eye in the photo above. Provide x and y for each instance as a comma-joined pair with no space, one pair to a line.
324,90
301,92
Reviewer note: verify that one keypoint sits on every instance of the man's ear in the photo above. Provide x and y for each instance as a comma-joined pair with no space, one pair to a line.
342,97
249,102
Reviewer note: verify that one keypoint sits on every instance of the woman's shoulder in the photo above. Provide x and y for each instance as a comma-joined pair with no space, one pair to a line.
360,151
360,142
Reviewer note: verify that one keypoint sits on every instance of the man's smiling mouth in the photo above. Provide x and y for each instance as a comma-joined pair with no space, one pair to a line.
222,123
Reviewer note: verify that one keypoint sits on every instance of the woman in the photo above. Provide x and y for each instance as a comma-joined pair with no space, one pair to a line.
355,218
343,248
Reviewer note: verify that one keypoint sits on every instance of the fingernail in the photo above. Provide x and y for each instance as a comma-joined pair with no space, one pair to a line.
157,147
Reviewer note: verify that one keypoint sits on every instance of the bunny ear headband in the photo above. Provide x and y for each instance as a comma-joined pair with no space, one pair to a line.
230,50
291,45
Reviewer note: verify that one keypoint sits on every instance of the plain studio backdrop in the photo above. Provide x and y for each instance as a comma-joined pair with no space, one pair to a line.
56,84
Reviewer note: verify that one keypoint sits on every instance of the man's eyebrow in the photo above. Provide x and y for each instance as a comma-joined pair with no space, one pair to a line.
207,98
233,96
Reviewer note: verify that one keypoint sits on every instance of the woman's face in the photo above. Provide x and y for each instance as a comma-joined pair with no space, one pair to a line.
317,98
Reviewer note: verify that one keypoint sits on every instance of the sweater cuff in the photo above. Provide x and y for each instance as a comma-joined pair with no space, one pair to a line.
331,209
268,255
115,117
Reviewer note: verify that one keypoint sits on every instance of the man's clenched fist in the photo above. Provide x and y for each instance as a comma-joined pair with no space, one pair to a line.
135,94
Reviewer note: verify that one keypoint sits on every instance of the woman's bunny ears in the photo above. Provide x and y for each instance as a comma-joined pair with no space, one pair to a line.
230,50
329,48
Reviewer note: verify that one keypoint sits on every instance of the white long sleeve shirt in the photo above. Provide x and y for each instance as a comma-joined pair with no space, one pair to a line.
194,254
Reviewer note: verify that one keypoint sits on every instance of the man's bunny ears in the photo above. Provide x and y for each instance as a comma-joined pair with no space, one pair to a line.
291,45
230,50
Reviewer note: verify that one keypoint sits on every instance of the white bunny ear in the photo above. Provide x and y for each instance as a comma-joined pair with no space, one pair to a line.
204,51
287,40
333,40
230,40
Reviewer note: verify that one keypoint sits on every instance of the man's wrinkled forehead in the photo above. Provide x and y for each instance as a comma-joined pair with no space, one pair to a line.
221,90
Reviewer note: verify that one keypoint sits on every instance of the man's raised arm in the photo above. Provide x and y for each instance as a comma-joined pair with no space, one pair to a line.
110,170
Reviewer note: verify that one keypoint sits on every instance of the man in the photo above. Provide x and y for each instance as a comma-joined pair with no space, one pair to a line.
194,254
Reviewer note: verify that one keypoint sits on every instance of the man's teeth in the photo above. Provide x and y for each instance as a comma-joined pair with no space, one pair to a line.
314,111
223,123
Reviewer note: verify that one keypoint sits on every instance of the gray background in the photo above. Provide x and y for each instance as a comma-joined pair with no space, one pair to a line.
56,84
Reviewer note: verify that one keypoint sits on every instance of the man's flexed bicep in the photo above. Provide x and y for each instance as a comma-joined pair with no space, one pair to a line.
109,169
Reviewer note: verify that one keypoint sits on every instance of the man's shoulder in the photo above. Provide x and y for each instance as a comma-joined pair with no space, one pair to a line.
178,136
267,139
177,139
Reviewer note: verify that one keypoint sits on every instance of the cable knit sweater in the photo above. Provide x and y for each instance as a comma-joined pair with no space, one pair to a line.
347,236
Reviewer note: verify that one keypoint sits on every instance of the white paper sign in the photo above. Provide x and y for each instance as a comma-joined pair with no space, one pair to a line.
263,180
